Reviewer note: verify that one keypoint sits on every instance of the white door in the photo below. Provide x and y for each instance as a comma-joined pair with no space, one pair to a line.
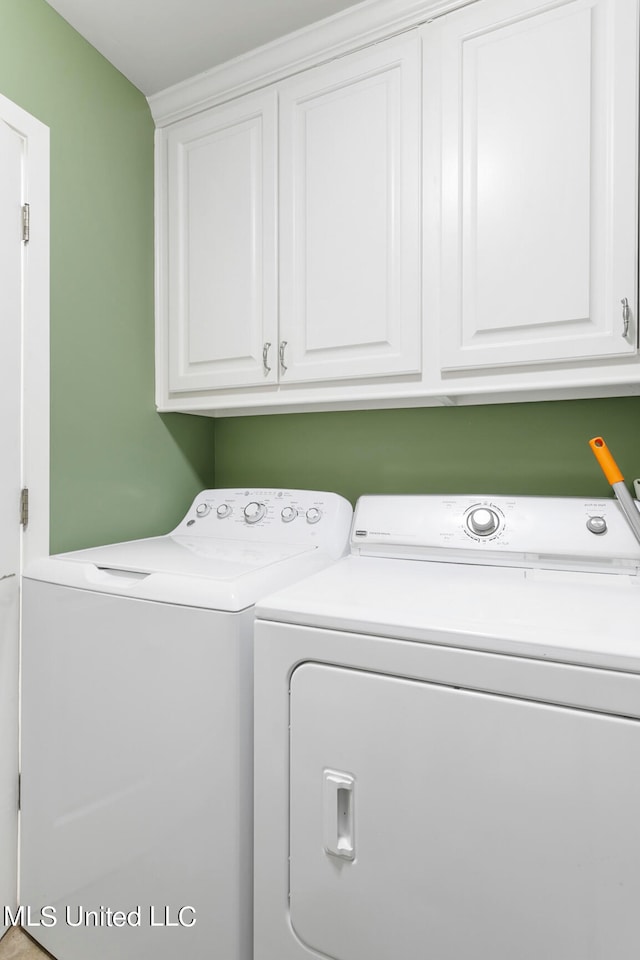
538,168
221,293
349,216
11,193
432,821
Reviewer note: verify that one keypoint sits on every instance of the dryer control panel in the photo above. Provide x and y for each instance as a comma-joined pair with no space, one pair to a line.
559,532
269,515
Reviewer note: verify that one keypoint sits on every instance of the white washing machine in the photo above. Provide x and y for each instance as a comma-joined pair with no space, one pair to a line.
448,738
137,727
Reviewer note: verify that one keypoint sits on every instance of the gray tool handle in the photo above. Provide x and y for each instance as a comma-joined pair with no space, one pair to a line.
628,507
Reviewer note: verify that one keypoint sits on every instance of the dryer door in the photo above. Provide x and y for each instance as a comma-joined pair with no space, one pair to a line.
435,821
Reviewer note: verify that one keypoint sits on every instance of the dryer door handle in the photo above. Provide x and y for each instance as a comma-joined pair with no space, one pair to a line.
339,814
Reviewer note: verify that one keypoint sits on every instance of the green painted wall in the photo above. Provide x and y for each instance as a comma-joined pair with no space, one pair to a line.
118,470
523,448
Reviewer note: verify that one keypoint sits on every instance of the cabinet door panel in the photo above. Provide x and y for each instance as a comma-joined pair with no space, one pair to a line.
349,216
222,246
539,172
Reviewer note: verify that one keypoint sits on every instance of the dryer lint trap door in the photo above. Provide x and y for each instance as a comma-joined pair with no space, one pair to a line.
435,821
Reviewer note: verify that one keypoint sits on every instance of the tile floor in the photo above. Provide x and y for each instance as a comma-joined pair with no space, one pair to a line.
16,945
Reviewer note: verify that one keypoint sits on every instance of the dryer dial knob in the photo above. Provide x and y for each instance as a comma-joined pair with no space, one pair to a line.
288,514
224,510
483,522
597,525
313,515
202,509
254,511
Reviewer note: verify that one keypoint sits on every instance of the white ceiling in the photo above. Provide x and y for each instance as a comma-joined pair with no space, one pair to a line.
156,43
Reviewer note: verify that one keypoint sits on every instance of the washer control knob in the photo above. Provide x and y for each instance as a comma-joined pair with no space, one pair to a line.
313,515
223,511
597,525
483,522
288,514
202,509
254,511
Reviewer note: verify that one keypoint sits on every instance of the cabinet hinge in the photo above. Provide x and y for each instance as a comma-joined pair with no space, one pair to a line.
25,222
24,507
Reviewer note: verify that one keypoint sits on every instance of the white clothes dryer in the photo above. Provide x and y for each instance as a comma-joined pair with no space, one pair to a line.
136,829
448,738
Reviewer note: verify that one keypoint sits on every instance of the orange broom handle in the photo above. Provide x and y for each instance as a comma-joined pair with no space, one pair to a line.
609,467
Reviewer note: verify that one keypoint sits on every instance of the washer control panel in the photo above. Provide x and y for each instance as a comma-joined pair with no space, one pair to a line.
287,516
566,532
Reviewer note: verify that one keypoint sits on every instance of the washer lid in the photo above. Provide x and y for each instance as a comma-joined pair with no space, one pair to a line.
196,572
187,556
567,616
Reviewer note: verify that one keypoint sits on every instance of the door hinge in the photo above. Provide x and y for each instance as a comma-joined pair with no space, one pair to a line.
19,791
25,222
24,507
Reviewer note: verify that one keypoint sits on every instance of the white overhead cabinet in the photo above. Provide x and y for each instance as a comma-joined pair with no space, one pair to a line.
349,238
538,113
405,205
350,217
219,268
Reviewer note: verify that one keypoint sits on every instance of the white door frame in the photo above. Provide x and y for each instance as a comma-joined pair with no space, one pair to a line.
34,414
35,333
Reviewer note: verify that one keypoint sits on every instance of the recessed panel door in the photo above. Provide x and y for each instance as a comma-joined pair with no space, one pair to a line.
222,288
349,202
429,821
11,188
539,125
